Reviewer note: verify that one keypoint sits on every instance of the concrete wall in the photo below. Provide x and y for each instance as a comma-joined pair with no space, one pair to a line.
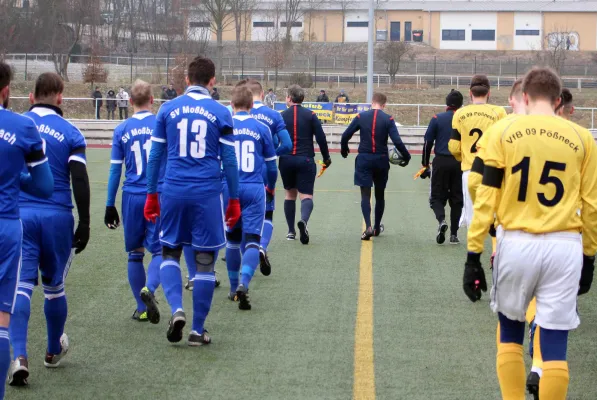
585,24
505,31
467,21
528,21
356,34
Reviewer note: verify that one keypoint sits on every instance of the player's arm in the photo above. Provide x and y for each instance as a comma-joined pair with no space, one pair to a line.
588,215
77,163
353,128
395,136
156,154
111,218
230,168
430,136
321,140
269,156
284,145
39,182
454,144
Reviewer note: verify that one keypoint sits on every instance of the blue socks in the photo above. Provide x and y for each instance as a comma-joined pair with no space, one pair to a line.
250,262
19,321
233,260
56,311
189,258
136,273
204,286
306,209
4,358
266,233
153,273
171,279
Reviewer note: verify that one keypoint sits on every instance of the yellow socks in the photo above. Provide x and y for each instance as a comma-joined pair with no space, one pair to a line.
554,382
511,372
537,357
531,310
493,244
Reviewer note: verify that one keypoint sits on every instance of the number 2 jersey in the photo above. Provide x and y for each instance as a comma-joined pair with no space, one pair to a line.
254,146
468,124
539,170
131,145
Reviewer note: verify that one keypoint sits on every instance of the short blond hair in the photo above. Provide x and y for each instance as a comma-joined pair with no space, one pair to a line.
141,93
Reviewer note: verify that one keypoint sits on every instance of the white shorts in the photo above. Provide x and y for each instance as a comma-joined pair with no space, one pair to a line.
467,208
545,266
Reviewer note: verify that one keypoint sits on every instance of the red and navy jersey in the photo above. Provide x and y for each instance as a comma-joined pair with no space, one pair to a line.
376,127
302,125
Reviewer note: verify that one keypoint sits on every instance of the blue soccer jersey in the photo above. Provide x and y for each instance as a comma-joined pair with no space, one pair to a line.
63,143
20,146
192,126
269,117
131,145
253,146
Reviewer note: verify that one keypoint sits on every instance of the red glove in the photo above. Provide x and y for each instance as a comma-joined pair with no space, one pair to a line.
152,207
232,213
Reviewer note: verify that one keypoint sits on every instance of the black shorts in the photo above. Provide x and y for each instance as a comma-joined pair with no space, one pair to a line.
298,172
371,169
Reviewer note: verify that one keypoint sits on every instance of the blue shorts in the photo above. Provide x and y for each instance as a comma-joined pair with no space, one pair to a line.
196,222
47,245
11,234
138,232
371,169
225,194
298,172
252,205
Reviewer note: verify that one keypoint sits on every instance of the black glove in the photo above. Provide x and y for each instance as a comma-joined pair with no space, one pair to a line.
112,219
344,151
426,174
81,237
586,276
473,281
269,194
327,162
403,163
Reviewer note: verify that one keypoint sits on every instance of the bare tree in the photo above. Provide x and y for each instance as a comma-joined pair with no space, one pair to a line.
275,44
345,5
241,11
218,13
392,53
9,25
556,47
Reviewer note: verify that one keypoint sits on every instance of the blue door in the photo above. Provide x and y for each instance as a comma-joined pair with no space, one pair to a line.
408,26
395,31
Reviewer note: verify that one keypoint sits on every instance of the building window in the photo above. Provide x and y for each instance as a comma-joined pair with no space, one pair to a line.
199,24
263,25
527,32
357,24
453,34
483,35
294,24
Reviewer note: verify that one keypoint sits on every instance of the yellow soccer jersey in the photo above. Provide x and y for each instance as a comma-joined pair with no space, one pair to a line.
538,171
469,124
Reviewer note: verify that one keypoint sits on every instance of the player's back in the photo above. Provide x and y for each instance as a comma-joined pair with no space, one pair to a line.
18,139
544,159
193,126
471,122
254,147
60,139
375,127
301,125
269,117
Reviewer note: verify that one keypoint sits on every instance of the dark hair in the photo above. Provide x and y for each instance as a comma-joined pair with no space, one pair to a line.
5,75
566,97
242,98
379,98
542,83
454,99
141,93
479,85
201,71
296,94
48,84
516,88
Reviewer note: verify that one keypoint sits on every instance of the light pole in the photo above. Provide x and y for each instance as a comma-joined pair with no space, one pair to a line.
370,50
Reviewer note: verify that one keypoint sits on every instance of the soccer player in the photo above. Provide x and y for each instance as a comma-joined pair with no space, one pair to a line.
538,169
196,132
566,107
372,165
131,145
48,226
446,177
254,152
298,169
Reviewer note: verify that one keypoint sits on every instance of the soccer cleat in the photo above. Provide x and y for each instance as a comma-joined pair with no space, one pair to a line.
189,285
302,225
291,236
441,233
533,384
243,297
140,316
53,360
177,323
367,234
18,372
264,265
454,239
378,231
196,340
232,296
153,312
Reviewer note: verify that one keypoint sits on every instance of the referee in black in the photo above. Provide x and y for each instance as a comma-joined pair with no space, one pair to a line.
446,175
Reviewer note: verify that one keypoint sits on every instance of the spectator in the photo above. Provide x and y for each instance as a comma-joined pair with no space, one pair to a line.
171,93
215,94
342,97
111,103
323,97
165,93
97,101
122,100
270,98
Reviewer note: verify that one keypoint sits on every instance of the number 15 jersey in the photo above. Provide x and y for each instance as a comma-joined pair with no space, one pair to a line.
469,124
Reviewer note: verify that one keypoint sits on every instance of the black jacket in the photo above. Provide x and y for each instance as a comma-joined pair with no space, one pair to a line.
323,98
302,124
97,95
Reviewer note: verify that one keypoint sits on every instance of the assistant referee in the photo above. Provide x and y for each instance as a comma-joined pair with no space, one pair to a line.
446,174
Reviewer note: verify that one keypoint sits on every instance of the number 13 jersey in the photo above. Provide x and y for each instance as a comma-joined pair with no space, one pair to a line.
469,124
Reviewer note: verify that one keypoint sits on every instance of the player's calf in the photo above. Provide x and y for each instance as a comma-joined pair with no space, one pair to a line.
204,286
